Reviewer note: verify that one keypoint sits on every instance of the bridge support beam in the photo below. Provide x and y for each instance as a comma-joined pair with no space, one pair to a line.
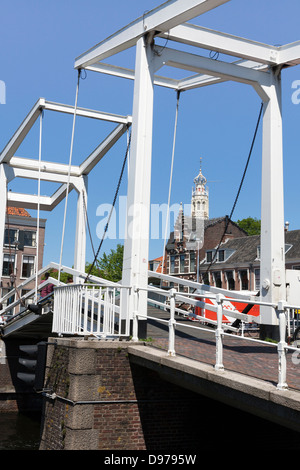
80,237
136,246
272,266
3,199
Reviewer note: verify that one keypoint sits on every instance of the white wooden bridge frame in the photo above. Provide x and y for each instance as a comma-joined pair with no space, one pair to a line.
93,310
258,65
69,177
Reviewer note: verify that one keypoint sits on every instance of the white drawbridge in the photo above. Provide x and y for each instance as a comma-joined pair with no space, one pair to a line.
249,62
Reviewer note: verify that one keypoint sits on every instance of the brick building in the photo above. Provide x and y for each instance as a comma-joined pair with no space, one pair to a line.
237,264
195,235
228,257
20,249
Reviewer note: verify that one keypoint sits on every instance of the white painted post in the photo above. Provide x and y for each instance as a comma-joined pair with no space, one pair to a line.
281,347
172,323
272,266
219,334
136,245
3,199
80,237
135,314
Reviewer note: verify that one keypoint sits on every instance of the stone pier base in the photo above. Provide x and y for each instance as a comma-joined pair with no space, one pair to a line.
98,400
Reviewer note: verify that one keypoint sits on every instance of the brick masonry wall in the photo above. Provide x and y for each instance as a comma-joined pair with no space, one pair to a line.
104,402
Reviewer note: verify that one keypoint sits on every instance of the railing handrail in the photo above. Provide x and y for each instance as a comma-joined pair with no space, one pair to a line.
282,346
77,303
56,266
26,296
204,287
89,309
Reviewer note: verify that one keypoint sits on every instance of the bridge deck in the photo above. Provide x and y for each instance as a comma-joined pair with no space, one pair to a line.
239,355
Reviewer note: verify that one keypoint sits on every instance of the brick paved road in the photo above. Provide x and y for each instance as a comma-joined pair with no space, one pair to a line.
239,355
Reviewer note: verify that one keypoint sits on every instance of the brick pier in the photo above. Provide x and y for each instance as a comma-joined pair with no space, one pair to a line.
99,400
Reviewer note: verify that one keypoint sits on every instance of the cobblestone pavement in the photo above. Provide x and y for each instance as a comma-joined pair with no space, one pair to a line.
239,355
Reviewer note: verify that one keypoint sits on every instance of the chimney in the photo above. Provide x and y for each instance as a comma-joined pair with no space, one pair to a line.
286,226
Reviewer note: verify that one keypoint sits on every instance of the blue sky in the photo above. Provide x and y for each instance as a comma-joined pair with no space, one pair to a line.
39,43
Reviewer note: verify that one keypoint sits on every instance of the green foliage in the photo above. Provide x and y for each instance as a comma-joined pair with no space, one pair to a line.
250,225
94,270
109,266
64,277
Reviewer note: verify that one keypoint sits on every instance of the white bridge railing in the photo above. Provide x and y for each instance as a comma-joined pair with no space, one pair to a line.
94,309
282,309
78,309
89,309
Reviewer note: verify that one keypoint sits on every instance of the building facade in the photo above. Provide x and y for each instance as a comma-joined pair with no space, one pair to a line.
237,264
195,235
20,255
219,253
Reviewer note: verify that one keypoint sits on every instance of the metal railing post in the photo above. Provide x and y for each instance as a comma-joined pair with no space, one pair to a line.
281,347
219,334
135,315
172,323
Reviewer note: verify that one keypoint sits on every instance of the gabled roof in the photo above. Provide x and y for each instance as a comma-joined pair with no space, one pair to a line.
244,249
217,220
159,261
17,211
207,223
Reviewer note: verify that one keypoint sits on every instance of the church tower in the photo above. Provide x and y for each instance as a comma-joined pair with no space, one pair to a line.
200,202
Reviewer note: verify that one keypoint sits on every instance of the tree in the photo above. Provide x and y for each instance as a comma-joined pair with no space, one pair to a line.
109,266
63,276
93,271
250,225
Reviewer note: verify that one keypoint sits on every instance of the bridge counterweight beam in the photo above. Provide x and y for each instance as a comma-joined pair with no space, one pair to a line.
80,237
272,265
136,246
3,199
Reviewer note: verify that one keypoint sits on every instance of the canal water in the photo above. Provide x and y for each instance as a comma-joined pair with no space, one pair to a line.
19,431
232,429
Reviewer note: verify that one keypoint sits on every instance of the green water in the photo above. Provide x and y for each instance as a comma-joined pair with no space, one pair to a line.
19,431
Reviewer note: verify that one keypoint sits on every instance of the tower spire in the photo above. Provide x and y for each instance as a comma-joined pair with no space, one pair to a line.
200,202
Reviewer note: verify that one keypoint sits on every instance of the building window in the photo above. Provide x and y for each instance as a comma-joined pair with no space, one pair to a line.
24,292
244,279
8,264
29,238
230,280
221,256
205,278
209,256
181,263
28,266
257,278
9,300
10,236
192,262
172,264
296,267
217,277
